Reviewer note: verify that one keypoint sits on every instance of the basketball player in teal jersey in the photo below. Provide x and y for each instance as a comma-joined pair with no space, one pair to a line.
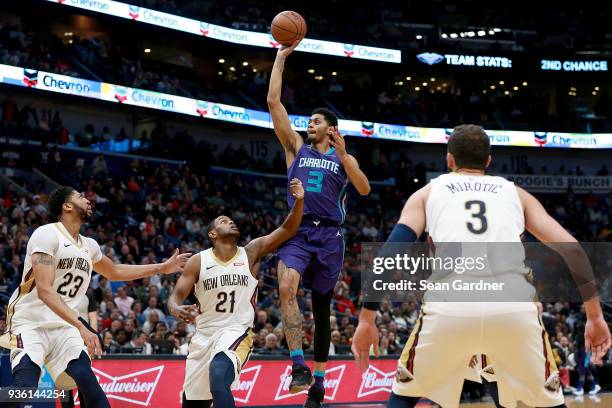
316,253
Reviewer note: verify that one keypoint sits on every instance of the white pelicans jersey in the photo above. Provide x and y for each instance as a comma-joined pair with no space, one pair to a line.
226,292
463,208
73,261
477,220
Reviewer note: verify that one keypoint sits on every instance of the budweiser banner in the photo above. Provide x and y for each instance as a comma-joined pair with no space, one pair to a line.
157,383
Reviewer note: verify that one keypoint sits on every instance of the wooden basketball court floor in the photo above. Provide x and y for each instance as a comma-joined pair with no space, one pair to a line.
601,400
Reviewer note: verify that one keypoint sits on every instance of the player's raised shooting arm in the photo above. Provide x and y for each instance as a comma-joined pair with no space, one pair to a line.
123,272
546,229
258,248
288,137
43,268
183,286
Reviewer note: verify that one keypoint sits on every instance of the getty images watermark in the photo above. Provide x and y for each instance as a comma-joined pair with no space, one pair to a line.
477,272
411,264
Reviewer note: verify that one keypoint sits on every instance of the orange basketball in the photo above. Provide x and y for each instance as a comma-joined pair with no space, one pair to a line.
287,27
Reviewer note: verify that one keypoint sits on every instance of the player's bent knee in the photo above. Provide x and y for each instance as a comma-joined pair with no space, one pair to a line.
221,372
89,387
221,378
26,373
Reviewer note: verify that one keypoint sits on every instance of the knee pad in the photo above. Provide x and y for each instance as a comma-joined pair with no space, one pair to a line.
221,378
89,387
26,373
221,373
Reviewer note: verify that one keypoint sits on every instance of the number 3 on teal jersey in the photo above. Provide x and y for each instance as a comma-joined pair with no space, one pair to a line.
315,181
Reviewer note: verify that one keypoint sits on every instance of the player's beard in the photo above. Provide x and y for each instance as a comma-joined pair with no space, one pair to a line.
84,214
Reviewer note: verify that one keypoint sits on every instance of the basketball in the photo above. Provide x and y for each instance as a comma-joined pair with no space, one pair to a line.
288,26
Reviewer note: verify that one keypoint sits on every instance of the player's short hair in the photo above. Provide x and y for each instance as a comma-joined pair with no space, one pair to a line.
58,197
211,225
330,117
470,146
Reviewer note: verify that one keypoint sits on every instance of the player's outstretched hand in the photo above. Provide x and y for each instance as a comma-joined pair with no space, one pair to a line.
285,50
176,263
366,335
597,339
296,188
337,141
185,313
92,341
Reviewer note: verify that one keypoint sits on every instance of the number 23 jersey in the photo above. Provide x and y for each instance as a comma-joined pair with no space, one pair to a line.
73,262
226,292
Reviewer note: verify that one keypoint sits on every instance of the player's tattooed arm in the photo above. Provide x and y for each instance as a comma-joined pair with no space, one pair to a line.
40,258
262,246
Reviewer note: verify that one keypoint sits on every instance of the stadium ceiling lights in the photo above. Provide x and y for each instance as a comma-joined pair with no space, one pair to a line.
221,61
147,50
470,34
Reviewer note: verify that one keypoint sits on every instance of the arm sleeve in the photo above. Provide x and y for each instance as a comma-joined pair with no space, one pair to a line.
92,305
96,252
401,233
43,240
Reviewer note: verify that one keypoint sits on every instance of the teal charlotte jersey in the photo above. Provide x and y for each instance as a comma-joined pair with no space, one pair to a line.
324,182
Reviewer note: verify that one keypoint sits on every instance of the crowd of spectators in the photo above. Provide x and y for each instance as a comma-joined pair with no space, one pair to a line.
390,23
156,208
381,97
23,48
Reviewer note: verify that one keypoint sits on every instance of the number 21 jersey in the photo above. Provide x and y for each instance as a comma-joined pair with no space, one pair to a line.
226,293
73,262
